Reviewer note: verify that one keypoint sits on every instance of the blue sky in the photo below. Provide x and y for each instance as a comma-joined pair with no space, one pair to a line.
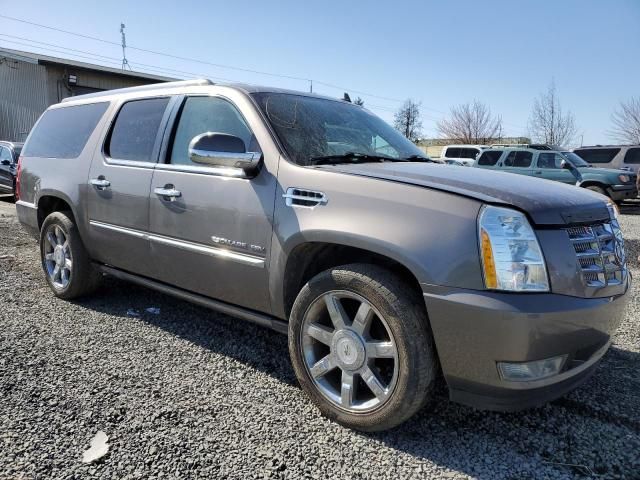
503,53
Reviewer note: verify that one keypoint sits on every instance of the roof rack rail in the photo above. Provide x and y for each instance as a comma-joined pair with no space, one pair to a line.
144,88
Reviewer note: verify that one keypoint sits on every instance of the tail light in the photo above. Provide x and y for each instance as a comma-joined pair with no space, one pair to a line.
18,172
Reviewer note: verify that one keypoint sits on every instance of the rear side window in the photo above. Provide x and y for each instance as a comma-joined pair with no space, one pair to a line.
598,155
489,158
632,156
471,153
452,153
519,159
135,130
63,132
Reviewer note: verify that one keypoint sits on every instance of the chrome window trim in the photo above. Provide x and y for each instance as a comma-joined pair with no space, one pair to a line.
214,171
184,245
128,163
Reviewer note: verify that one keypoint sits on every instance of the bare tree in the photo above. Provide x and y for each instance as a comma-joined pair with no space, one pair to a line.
471,123
407,120
359,101
548,123
626,121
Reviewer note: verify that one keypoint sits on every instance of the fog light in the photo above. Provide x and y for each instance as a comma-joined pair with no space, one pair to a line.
528,371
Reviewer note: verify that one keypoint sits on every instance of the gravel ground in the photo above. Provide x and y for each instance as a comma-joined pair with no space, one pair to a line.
189,393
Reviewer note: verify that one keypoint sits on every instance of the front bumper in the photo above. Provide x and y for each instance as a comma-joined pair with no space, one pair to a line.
623,192
473,330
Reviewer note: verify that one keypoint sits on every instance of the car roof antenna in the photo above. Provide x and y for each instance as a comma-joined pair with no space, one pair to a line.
346,97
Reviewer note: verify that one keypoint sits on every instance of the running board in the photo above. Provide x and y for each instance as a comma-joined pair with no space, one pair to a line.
258,318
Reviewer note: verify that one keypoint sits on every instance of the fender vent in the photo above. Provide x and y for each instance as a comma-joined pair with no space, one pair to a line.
299,197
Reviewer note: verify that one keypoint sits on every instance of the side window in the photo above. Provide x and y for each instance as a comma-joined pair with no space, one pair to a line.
597,155
208,114
523,159
471,153
452,153
546,160
135,130
489,158
509,161
63,132
5,154
632,156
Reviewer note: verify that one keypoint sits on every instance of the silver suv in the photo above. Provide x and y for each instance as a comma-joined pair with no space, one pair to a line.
314,217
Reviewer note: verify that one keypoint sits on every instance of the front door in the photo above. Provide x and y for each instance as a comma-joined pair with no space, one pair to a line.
119,182
212,234
549,166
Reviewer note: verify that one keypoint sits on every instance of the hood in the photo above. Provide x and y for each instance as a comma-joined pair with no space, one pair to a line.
545,201
604,171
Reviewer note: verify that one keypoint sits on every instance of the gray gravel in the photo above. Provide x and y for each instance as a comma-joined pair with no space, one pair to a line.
190,393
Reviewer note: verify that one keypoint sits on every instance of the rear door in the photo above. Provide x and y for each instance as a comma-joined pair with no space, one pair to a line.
119,182
213,236
549,166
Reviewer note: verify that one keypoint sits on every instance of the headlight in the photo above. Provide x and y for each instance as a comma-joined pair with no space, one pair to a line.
623,178
511,256
613,210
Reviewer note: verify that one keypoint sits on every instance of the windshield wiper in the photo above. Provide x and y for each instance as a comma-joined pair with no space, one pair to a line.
351,157
418,158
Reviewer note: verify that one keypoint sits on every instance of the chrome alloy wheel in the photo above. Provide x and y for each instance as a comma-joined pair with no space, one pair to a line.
349,351
57,257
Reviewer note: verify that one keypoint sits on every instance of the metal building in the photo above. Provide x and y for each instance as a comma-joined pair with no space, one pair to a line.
30,82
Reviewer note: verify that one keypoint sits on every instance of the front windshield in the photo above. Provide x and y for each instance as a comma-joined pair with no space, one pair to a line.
575,159
313,128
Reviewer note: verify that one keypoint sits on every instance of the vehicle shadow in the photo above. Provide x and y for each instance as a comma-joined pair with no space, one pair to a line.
556,440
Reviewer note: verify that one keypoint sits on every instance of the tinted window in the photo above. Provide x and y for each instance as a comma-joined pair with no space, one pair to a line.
523,159
471,153
63,132
452,153
208,114
5,154
135,130
489,158
16,152
598,155
632,156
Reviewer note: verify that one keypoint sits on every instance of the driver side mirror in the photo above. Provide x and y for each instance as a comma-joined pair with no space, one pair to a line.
564,164
222,150
6,162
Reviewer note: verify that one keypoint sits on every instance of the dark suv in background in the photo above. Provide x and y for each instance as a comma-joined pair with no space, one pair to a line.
9,153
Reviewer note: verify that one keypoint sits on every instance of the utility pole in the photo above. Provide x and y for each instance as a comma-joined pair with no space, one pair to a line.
125,62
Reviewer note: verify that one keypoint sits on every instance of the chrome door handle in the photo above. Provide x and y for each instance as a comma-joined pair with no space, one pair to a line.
100,183
171,192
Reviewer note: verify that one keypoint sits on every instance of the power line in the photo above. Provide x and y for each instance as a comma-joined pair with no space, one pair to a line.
217,65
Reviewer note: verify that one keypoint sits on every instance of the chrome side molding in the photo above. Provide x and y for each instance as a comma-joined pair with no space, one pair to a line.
244,258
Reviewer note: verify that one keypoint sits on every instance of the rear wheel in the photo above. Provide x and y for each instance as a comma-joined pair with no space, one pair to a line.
361,347
65,261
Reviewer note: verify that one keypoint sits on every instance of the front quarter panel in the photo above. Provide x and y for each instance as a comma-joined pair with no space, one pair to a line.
432,233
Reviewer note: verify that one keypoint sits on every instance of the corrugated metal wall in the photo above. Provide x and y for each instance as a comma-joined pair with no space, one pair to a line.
23,97
57,90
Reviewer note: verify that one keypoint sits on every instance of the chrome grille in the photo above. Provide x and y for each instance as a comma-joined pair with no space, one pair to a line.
600,253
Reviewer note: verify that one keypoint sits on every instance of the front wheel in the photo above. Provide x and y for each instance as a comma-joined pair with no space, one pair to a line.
361,347
595,188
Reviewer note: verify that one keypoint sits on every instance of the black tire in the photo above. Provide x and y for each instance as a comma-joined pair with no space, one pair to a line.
404,313
595,188
83,278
